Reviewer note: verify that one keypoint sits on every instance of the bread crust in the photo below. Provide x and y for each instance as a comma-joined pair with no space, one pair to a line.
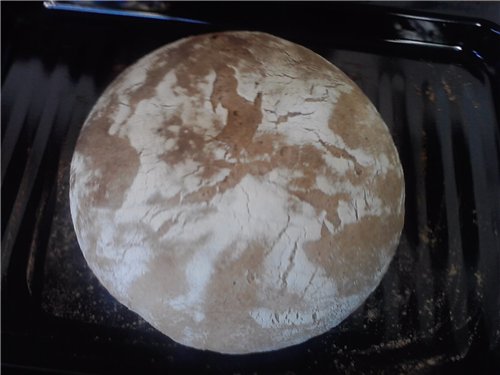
237,191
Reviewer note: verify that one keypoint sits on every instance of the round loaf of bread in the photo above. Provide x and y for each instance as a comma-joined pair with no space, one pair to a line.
237,191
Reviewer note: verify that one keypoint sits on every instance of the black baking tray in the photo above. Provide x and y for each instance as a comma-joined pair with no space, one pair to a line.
435,81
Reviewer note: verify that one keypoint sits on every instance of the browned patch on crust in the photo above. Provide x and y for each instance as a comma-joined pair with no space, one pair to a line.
322,201
348,117
114,157
243,116
232,287
343,154
354,253
304,158
389,189
148,88
189,145
163,131
170,256
193,64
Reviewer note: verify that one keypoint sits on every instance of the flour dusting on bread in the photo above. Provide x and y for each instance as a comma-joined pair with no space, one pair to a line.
236,185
